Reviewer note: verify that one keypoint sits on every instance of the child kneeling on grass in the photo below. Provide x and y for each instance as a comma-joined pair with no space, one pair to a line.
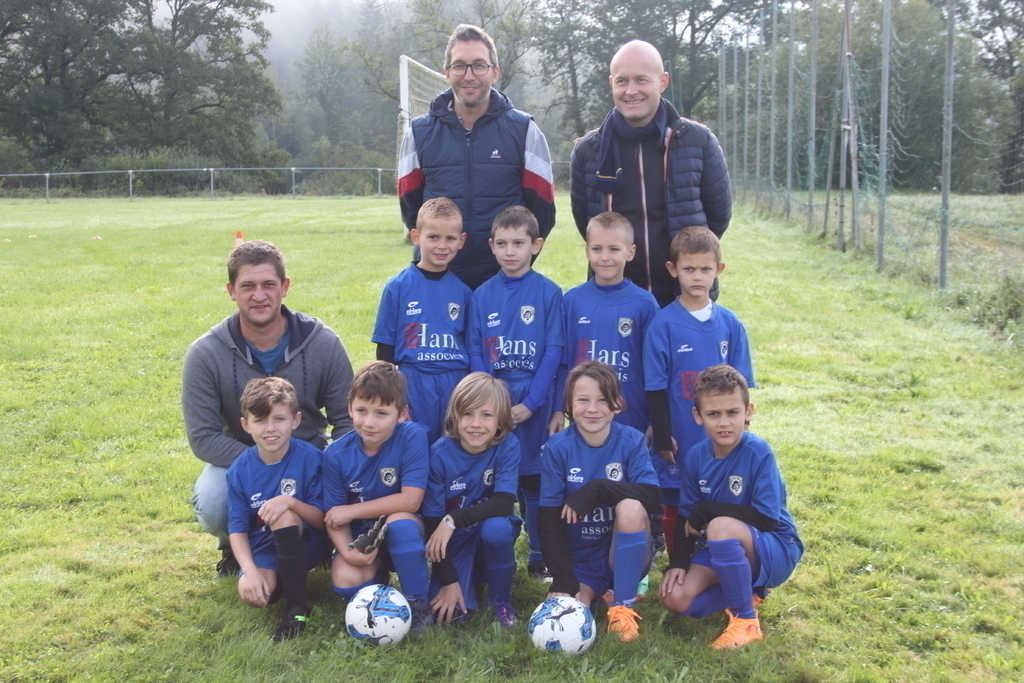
378,470
597,490
739,540
275,520
474,474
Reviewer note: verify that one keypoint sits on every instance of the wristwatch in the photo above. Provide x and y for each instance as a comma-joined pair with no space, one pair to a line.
449,521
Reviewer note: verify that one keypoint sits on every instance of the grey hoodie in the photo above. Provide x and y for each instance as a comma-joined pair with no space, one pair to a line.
219,364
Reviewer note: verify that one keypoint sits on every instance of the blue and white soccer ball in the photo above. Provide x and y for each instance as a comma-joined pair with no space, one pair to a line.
378,615
562,624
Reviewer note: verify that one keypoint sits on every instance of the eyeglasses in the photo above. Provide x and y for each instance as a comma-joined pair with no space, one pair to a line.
478,68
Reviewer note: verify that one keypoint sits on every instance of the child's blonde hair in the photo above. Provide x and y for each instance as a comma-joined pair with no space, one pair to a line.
475,390
611,220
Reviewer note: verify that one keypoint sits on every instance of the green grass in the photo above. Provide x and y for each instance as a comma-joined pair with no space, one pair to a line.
898,428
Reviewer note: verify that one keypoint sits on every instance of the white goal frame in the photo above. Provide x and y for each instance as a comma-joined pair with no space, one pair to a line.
413,104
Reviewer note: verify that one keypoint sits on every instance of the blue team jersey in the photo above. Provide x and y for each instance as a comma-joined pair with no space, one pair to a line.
252,482
568,463
608,324
425,320
512,323
749,475
460,480
351,476
677,348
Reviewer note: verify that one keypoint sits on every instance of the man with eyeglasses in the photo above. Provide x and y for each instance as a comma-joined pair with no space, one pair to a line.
661,171
476,149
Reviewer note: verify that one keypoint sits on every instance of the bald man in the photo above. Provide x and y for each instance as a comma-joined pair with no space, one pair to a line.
661,171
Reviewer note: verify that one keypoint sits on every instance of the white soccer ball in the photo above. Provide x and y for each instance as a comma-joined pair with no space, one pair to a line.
562,624
378,615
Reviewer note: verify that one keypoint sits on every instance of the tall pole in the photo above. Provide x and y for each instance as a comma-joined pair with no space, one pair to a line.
855,232
772,118
947,145
812,123
757,125
789,105
746,119
735,106
721,97
883,133
844,145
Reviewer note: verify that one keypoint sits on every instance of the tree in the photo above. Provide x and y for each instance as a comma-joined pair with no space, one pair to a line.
85,77
999,27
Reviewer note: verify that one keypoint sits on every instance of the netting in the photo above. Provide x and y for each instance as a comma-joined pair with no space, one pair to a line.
788,149
418,85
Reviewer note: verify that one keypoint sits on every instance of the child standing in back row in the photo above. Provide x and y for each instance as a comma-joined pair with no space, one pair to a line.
606,318
421,320
690,334
515,334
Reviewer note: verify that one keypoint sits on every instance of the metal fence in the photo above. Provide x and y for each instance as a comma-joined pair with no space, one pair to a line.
188,180
814,114
294,180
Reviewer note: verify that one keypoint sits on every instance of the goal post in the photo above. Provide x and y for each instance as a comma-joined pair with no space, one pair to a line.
418,85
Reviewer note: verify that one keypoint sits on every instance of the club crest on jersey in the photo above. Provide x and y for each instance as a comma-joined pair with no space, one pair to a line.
735,484
723,348
625,327
527,314
288,487
613,471
488,477
453,311
388,476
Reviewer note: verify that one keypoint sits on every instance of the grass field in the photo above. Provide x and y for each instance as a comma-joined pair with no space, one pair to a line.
898,428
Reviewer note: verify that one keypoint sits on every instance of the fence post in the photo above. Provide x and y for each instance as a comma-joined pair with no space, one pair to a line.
772,106
790,106
47,188
947,145
293,182
812,124
883,133
379,186
211,183
131,183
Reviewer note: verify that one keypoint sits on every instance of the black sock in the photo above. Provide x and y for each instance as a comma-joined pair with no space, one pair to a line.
291,568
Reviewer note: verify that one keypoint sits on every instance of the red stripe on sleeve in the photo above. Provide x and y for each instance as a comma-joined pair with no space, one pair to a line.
410,181
541,186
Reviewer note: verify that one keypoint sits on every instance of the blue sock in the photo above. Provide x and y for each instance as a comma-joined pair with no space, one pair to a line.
733,569
630,553
347,593
707,603
531,500
405,545
499,557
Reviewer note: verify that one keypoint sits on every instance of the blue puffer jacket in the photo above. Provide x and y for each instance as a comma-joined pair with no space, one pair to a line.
697,188
482,170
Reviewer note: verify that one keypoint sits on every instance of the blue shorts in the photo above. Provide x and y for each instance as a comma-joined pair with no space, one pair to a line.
317,544
533,433
776,557
466,550
428,394
599,574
